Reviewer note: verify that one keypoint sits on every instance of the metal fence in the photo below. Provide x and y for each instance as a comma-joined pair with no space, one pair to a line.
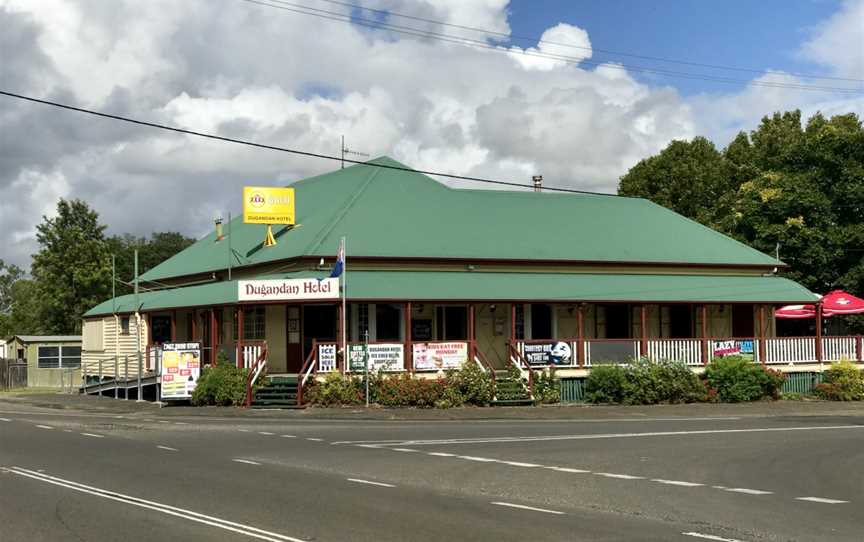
13,374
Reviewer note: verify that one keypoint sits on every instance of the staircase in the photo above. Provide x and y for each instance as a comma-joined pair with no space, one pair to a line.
510,391
276,392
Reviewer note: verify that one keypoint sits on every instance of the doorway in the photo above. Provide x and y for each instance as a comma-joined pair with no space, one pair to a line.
742,321
681,321
319,324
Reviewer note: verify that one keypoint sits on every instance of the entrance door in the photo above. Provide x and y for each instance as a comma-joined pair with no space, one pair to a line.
294,349
742,321
319,323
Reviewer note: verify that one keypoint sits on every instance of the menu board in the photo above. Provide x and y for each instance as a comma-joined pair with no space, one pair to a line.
180,369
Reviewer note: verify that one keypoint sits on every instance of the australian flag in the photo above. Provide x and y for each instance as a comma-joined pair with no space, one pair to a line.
339,267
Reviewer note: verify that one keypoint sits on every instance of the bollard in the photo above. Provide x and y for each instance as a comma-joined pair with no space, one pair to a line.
116,379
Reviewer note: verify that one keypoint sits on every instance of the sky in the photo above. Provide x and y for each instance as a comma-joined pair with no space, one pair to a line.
558,103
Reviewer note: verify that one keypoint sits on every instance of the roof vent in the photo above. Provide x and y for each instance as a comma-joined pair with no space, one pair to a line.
538,182
219,235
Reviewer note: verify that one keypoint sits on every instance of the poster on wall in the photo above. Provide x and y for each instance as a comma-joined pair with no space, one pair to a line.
180,369
382,357
551,353
326,357
439,356
733,348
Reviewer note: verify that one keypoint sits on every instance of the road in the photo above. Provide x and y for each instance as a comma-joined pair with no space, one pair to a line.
144,475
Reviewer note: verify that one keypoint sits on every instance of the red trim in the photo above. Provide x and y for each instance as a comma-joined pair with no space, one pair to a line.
643,331
174,326
762,334
194,325
859,350
819,332
704,339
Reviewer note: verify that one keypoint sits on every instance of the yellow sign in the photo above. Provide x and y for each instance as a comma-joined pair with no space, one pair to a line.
268,205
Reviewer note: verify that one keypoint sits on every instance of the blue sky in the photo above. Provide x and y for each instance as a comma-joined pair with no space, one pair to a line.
741,33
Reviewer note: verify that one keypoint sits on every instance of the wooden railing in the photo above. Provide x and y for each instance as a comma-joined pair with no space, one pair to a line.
305,371
250,351
255,370
688,351
516,358
481,360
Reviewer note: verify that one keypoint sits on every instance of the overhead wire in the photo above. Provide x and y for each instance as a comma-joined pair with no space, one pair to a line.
479,44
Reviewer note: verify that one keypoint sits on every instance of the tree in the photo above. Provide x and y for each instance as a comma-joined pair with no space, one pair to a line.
151,252
72,269
801,187
23,318
8,275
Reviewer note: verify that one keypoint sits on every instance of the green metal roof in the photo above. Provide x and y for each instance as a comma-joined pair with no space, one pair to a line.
433,286
391,213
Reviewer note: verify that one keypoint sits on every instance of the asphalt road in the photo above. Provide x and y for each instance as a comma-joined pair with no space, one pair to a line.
147,475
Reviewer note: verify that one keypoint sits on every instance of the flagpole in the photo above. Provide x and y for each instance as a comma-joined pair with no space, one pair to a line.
344,295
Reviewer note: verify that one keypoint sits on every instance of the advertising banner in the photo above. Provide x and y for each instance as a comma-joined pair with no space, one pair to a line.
551,353
733,348
181,367
434,356
382,357
287,289
326,357
268,205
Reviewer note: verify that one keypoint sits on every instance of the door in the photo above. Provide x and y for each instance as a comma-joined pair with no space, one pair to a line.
681,321
294,348
319,324
742,321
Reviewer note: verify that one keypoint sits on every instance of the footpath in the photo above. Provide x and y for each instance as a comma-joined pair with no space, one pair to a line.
109,405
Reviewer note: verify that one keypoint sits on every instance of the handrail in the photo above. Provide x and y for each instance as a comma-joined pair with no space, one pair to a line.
520,360
306,370
480,359
255,372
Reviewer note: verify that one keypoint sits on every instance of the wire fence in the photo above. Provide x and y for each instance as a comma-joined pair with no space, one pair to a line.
13,374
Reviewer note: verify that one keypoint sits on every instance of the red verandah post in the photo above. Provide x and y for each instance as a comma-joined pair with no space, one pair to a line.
762,334
643,325
240,336
703,310
580,335
409,352
819,332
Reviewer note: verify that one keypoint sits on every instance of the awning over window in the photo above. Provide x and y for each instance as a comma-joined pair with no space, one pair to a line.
431,286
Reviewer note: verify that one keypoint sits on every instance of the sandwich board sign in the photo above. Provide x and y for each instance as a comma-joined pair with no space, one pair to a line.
180,368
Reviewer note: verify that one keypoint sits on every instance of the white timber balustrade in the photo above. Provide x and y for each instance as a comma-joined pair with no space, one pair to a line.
251,353
790,350
688,351
838,348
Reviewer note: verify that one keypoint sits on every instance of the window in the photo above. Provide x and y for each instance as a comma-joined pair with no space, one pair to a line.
388,323
520,321
681,321
617,321
541,322
160,329
362,321
452,323
57,357
124,325
253,323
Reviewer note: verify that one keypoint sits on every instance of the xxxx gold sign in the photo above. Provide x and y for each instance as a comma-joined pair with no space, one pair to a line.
268,205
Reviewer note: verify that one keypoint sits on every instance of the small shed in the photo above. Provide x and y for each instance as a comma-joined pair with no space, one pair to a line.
52,360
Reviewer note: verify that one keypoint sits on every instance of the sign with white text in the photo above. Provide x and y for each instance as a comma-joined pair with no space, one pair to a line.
180,369
287,289
382,357
549,353
439,356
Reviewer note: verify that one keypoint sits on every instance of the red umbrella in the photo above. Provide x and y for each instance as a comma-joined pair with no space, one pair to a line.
793,312
840,302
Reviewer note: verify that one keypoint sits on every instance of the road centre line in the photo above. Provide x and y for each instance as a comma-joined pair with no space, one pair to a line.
190,515
44,427
167,448
475,458
436,454
568,469
245,461
94,435
676,482
711,537
821,500
521,464
531,508
266,433
289,436
315,439
745,491
619,476
497,440
5,420
409,450
369,482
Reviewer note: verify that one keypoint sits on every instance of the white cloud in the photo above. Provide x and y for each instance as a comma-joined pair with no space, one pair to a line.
280,78
562,40
838,43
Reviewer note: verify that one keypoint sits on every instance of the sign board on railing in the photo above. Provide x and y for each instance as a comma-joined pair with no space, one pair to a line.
743,349
437,356
326,358
382,357
180,369
550,353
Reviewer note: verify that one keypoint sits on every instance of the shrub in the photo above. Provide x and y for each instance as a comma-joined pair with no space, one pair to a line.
547,389
469,385
335,389
842,382
606,384
223,384
405,391
650,383
738,379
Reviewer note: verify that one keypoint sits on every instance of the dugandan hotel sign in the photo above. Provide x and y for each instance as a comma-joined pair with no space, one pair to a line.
287,290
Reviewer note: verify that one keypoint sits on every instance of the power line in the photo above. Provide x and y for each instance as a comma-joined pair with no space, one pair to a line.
295,151
534,39
467,42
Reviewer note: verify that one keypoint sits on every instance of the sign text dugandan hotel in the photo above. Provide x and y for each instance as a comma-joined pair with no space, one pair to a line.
287,289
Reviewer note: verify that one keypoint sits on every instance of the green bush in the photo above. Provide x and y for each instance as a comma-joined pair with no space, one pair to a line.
547,388
606,384
403,390
843,381
469,385
737,379
223,384
650,383
335,389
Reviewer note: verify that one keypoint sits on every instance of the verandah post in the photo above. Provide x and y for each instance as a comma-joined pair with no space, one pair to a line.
214,335
643,325
409,351
762,334
859,349
703,311
580,335
819,332
174,326
239,340
471,333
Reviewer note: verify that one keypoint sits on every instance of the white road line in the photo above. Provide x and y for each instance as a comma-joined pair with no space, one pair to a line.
5,420
44,427
619,476
181,423
521,464
531,508
94,435
167,448
711,537
436,454
367,446
163,421
369,482
289,436
245,461
567,469
314,439
243,430
189,515
498,440
821,500
480,459
266,433
676,483
409,450
67,430
747,491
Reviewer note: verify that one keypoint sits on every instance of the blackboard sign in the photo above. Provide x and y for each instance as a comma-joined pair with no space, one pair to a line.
421,330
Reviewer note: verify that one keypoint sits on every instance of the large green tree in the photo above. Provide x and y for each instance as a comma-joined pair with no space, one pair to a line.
72,269
797,186
151,252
